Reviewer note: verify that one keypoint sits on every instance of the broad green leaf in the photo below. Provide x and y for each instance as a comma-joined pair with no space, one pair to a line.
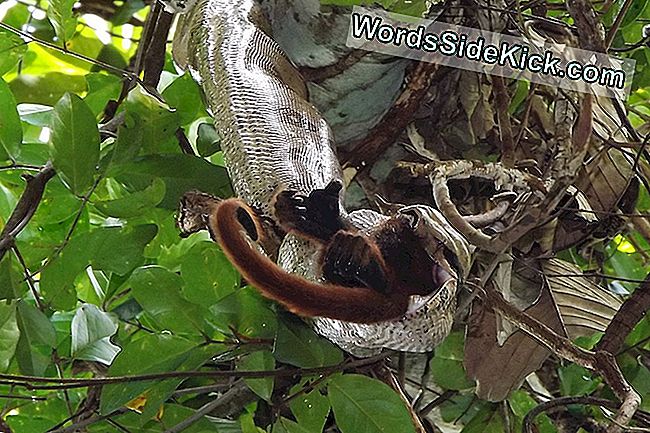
447,368
284,425
59,204
245,311
208,140
151,353
157,290
125,12
128,144
158,122
92,329
62,18
47,88
135,203
37,339
208,274
75,142
113,249
173,414
576,380
180,172
39,416
62,322
487,420
298,345
247,423
364,405
38,327
9,333
259,360
634,12
521,403
11,131
12,49
101,89
10,279
310,409
184,95
36,114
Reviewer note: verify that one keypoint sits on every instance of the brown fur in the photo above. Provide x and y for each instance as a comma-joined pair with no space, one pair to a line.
298,295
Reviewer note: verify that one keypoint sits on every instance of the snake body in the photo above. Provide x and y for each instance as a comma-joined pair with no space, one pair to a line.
274,139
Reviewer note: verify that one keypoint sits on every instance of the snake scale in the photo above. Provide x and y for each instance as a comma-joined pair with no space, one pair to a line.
274,139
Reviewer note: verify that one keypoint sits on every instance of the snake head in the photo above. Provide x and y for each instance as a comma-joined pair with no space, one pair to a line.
193,212
177,6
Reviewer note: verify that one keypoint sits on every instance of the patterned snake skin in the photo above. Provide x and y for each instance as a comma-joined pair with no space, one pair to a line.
275,139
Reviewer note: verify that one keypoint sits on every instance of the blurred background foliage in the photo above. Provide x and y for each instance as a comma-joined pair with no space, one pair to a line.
122,294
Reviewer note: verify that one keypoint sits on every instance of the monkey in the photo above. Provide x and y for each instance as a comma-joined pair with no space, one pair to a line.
370,277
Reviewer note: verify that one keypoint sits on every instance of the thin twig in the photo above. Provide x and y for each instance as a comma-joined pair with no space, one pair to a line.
29,382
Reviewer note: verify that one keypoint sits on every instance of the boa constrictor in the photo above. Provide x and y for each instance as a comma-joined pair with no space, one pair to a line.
274,139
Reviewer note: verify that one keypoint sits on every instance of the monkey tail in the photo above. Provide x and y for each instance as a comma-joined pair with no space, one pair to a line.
298,295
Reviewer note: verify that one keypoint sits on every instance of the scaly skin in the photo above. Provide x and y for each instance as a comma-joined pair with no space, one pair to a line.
274,139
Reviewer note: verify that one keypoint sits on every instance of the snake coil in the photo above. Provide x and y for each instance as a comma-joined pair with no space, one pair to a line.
274,139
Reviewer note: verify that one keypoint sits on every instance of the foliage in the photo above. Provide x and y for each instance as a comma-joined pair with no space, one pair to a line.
122,294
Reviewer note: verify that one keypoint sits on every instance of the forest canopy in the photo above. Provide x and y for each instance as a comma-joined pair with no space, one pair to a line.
110,321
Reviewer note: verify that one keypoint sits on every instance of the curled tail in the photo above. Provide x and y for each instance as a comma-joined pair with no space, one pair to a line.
229,226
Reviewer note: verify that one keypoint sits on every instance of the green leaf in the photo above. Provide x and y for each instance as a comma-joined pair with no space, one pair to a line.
92,329
298,345
245,311
101,89
284,425
150,353
113,249
634,12
37,326
446,366
9,279
9,333
208,274
12,49
37,339
75,142
157,290
11,130
39,416
487,420
521,403
136,203
365,405
128,144
47,88
208,140
180,172
36,114
61,17
258,361
310,409
158,122
184,95
576,380
125,12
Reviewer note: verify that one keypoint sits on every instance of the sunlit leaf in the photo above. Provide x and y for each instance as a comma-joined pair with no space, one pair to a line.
92,329
11,132
75,142
62,18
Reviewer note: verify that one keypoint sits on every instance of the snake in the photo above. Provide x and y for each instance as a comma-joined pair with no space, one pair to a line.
275,140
